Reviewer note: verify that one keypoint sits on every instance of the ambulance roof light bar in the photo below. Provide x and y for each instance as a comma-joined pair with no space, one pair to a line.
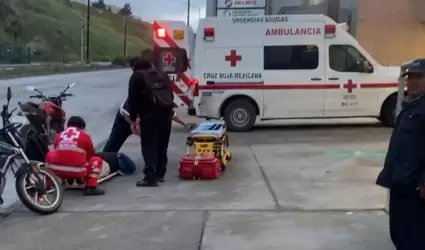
209,34
330,30
161,33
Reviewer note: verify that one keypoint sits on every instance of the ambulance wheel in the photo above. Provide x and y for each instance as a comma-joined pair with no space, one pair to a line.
240,115
388,111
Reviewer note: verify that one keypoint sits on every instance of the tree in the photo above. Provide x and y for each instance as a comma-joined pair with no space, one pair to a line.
100,4
14,28
126,10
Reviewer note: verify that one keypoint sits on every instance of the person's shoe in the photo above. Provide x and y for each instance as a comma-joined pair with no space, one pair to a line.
93,191
160,178
145,183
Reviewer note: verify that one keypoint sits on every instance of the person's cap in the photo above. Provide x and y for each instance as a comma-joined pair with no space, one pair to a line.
417,66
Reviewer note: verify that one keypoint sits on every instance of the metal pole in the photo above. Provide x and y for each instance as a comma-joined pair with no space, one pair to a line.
334,9
400,95
188,12
88,33
125,36
82,42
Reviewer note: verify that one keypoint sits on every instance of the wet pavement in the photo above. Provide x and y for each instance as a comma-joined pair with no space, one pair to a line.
287,187
97,97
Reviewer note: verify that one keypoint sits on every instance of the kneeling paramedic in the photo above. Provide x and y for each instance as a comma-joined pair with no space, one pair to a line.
121,129
73,156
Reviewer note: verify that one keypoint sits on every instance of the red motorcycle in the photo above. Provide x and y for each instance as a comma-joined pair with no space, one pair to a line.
47,117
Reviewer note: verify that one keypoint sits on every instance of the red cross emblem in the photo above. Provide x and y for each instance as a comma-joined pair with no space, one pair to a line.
350,86
70,134
233,58
169,59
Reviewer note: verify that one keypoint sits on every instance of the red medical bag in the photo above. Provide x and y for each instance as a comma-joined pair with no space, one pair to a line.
193,167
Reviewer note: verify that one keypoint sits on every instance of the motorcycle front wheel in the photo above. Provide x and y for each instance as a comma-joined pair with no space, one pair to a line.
41,192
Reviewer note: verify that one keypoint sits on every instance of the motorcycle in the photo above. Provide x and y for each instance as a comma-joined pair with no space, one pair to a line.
33,182
47,117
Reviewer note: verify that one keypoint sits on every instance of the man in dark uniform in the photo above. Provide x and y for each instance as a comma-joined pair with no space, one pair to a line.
404,168
121,129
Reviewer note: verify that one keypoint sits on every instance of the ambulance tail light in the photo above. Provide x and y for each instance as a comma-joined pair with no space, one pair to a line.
209,34
330,30
195,86
161,33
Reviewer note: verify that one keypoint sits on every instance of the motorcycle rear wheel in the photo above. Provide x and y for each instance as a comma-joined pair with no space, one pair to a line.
29,195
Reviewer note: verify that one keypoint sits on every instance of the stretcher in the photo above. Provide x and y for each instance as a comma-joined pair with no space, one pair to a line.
80,183
207,152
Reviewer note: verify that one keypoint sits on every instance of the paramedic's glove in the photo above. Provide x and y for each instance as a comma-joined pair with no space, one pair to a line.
190,126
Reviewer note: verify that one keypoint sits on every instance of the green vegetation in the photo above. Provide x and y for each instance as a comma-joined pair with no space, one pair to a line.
50,69
52,29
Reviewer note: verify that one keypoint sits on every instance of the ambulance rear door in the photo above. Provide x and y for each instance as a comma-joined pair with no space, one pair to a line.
294,67
172,53
228,63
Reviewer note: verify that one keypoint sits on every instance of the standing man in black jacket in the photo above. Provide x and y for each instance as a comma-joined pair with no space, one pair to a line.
155,118
404,167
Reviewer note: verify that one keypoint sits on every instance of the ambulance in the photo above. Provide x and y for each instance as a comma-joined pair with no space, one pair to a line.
249,69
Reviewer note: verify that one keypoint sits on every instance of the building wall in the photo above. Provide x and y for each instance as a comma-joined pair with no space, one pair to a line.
348,9
393,32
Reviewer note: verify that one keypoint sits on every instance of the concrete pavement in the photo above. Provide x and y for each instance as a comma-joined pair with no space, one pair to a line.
288,187
298,193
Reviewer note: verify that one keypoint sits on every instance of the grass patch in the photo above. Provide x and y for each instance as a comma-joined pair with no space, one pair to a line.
26,71
52,28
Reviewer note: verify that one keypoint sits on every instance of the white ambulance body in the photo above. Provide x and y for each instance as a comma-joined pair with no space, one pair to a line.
285,67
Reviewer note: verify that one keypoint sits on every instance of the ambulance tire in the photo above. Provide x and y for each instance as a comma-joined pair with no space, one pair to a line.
388,111
246,108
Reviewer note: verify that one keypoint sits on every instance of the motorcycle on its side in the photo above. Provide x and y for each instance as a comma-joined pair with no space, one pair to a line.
39,189
47,117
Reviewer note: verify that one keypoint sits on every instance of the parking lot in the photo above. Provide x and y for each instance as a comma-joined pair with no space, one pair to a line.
288,187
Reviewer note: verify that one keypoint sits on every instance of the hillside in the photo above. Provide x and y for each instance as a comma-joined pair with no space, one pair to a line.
52,29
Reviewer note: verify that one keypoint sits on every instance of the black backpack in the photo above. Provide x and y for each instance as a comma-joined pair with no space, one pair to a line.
158,89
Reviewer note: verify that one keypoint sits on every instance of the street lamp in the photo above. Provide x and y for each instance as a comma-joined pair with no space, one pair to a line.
125,35
189,5
188,12
88,33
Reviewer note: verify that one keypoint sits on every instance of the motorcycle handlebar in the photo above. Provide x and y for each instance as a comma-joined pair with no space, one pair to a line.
37,96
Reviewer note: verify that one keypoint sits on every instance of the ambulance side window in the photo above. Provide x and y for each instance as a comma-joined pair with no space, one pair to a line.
296,57
345,58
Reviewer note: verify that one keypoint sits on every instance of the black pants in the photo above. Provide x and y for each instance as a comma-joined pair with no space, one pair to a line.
407,219
155,135
121,130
